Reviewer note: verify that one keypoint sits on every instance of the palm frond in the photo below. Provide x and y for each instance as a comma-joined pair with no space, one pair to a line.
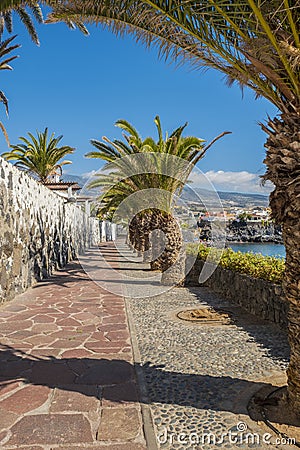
3,99
7,7
26,20
3,129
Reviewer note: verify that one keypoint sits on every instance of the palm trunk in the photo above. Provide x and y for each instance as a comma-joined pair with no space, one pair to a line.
147,254
283,169
139,232
134,237
157,235
168,243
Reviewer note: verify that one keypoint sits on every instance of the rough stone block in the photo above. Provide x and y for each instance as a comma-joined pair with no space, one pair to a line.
66,399
26,399
51,429
118,424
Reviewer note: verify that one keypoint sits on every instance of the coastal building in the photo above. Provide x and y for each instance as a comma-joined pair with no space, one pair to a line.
66,189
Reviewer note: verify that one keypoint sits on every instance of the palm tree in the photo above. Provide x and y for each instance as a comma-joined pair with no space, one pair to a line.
39,156
135,168
148,172
256,44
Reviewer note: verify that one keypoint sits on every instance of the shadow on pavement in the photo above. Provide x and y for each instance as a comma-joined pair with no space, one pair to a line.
267,334
86,375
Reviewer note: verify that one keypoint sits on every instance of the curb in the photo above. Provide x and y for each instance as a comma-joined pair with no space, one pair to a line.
145,408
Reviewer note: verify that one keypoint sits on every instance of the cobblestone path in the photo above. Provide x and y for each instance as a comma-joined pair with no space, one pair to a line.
199,378
66,374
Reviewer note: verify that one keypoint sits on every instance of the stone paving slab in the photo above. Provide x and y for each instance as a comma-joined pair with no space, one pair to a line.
67,378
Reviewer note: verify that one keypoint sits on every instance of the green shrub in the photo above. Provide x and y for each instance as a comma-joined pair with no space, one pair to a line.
253,264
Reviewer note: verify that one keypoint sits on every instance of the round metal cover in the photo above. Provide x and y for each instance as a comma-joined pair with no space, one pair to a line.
205,316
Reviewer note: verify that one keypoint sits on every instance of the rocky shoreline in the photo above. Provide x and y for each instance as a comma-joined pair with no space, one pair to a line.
243,232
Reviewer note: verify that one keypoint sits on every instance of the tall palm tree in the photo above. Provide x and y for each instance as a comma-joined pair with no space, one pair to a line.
149,173
135,169
255,43
39,156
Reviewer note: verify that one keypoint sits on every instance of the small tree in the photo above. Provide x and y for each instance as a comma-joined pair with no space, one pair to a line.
39,156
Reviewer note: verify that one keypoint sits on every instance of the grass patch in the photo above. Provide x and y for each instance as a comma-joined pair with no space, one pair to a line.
255,265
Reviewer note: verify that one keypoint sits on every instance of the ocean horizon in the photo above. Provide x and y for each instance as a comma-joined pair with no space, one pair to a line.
265,248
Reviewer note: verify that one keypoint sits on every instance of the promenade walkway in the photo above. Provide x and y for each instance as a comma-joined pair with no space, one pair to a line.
66,368
84,368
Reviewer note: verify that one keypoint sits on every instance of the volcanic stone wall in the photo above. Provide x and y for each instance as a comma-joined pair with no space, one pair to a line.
259,297
39,231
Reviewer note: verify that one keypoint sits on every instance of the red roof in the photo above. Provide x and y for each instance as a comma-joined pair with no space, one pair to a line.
63,186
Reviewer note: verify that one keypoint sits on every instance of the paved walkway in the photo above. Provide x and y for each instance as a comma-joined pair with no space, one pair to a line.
66,368
200,377
69,365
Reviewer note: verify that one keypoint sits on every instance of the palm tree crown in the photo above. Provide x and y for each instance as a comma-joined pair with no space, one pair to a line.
164,164
39,156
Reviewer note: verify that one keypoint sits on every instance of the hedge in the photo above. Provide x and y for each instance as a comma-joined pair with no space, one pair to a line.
253,264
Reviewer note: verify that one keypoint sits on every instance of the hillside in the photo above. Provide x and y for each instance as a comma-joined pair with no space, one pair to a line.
238,199
228,199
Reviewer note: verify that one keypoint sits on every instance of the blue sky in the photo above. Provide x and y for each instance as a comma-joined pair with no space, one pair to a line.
79,86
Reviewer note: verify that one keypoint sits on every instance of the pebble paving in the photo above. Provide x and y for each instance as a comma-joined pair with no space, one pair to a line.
199,378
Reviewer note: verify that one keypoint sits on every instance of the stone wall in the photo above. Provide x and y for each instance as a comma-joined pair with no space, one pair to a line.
257,296
39,231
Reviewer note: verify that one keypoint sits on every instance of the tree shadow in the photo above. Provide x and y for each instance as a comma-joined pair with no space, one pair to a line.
115,380
269,335
63,277
92,263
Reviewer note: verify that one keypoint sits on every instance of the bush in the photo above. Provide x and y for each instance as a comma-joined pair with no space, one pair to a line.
253,264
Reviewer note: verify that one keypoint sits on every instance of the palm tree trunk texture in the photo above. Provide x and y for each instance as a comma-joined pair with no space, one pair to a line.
139,232
283,169
133,233
168,244
158,235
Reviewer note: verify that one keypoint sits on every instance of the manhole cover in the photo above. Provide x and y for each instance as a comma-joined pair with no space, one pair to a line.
206,316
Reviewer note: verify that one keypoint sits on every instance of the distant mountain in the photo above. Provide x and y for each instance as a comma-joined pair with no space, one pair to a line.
198,195
242,199
234,199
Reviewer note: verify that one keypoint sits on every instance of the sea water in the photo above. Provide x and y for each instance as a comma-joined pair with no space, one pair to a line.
266,249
